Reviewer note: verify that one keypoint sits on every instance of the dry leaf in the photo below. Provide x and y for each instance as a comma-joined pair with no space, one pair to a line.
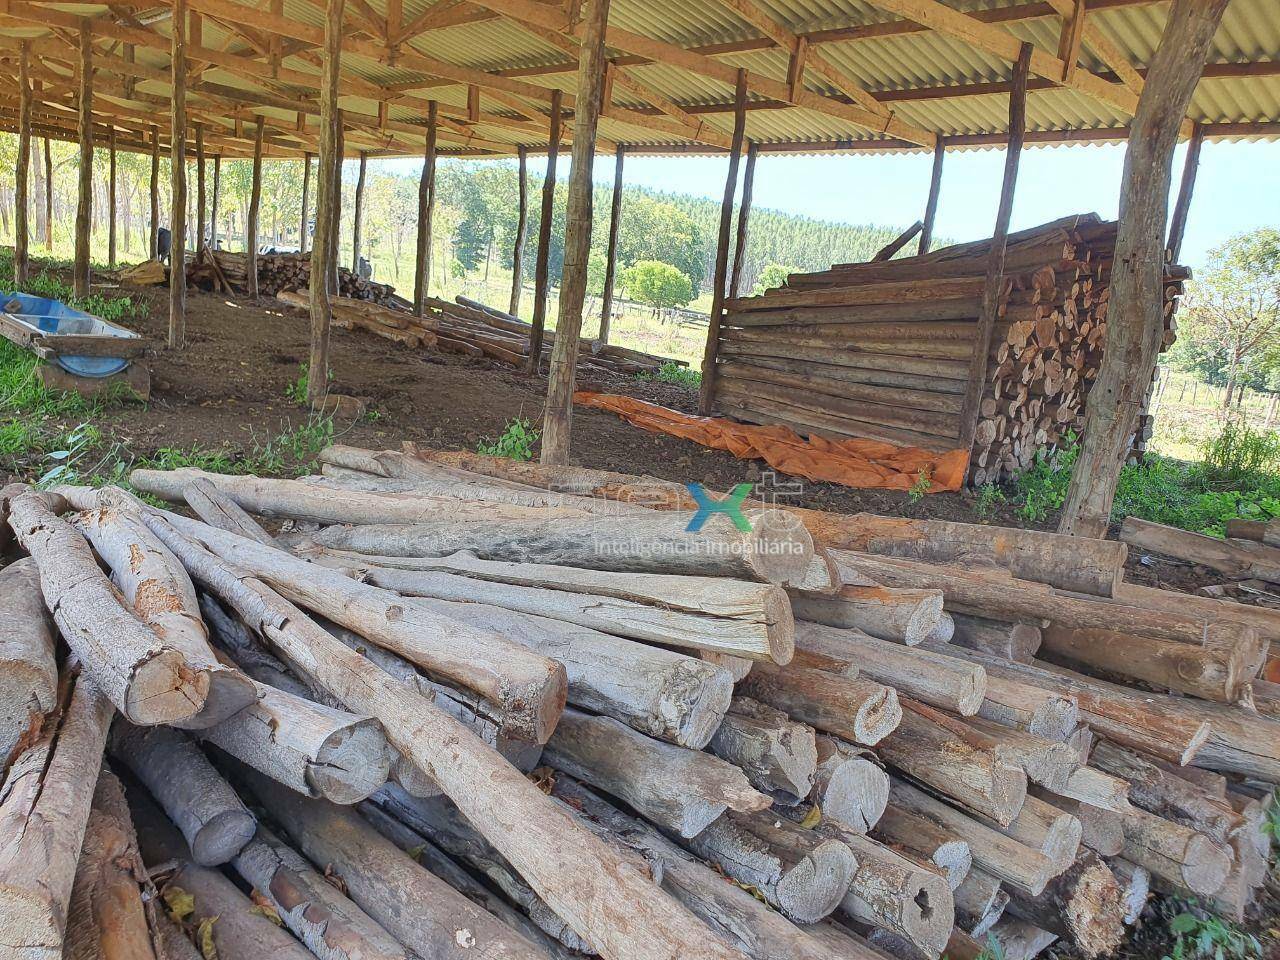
181,904
812,818
264,907
332,876
544,779
204,938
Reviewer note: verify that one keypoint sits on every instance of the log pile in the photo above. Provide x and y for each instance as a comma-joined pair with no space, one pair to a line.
464,706
882,350
228,272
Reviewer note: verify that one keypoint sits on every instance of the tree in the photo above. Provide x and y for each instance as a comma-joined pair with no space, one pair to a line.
771,275
658,284
1234,311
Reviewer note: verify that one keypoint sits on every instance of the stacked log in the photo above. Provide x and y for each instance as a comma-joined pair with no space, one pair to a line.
499,717
882,350
228,271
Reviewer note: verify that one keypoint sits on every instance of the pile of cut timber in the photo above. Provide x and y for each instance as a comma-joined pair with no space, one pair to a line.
387,322
473,707
228,271
883,349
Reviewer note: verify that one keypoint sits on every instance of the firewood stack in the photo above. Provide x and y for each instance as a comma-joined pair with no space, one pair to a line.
467,704
223,269
882,349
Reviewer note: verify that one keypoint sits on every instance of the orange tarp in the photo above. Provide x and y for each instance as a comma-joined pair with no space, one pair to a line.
869,464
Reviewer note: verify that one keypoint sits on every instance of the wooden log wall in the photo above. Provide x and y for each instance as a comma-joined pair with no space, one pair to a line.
882,350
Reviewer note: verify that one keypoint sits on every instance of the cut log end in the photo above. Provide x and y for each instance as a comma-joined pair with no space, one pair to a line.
165,689
230,691
878,716
817,884
222,837
351,764
1205,866
782,552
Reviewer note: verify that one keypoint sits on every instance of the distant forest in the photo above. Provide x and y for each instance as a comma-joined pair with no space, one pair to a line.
474,225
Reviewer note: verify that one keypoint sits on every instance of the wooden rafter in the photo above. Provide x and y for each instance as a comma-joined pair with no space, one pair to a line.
1076,13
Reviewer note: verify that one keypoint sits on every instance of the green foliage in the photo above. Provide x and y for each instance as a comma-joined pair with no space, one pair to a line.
515,443
1042,487
993,950
658,284
672,372
296,391
920,487
990,496
772,275
1199,937
1239,453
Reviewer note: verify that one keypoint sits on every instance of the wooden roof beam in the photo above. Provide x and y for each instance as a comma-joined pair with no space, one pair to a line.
1103,48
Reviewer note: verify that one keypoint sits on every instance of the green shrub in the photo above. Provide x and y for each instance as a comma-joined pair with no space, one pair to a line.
1239,454
672,372
516,442
1210,938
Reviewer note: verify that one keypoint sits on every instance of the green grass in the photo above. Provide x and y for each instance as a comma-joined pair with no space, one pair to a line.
672,372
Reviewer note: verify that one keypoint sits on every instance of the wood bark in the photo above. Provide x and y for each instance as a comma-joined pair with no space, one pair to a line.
744,217
932,678
178,178
903,616
1135,887
201,198
925,840
420,910
214,822
931,205
487,790
21,203
1174,853
44,811
857,710
778,755
797,871
252,228
1001,856
848,785
147,680
611,247
357,221
1042,826
957,761
327,197
679,789
81,273
1000,638
28,671
1182,206
107,919
426,210
1239,558
1049,763
522,225
1101,830
720,272
215,199
218,510
304,226
541,269
1135,325
980,902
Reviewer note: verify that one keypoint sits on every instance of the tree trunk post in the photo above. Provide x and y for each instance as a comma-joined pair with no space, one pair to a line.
335,228
992,290
522,227
200,190
707,395
255,209
557,425
23,169
111,199
178,163
611,255
1178,225
326,193
1135,322
152,238
84,199
306,202
744,216
935,190
213,205
426,206
357,220
48,195
540,268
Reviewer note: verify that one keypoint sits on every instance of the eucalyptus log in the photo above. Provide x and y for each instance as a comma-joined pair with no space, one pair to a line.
1101,830
1135,884
1012,862
214,822
933,678
106,917
146,679
28,673
901,615
799,872
956,760
420,910
925,840
860,711
44,810
1042,826
1049,763
980,902
1174,853
679,789
1020,939
161,595
218,510
778,755
1090,785
1239,741
1012,641
848,785
1238,558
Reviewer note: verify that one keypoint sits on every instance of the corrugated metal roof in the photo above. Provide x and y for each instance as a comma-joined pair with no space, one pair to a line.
920,74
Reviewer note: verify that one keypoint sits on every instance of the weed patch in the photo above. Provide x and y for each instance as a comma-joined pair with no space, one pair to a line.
515,443
672,372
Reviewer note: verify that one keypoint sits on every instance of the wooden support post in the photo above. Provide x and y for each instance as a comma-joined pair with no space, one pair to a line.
326,194
155,191
557,424
178,170
111,199
522,226
534,360
84,199
994,287
357,219
611,254
1178,225
335,211
426,205
200,190
707,395
935,190
255,208
1135,321
306,203
744,216
48,196
213,204
23,170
